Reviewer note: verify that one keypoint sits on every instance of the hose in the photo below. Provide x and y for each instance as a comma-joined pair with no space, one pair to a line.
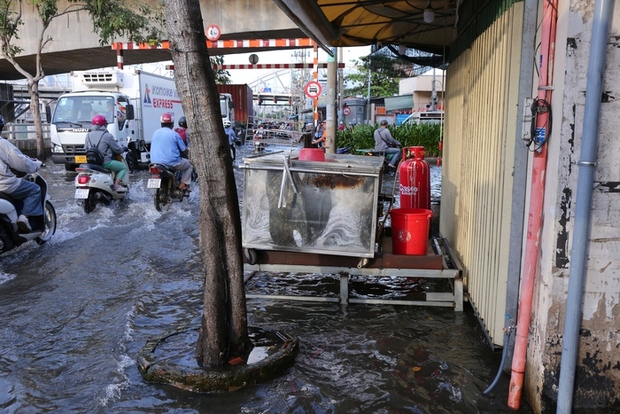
507,335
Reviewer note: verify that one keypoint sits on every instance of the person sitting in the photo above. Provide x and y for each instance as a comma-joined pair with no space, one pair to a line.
86,112
28,192
182,130
167,147
109,112
385,142
100,138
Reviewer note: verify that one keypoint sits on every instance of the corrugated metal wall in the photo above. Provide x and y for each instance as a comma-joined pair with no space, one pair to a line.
479,144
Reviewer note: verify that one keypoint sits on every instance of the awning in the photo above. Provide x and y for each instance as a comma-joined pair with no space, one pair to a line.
420,24
394,103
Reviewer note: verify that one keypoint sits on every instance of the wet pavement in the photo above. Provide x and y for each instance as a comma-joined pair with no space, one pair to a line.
76,311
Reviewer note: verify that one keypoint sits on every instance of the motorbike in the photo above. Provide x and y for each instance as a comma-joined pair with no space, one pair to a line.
43,227
94,185
166,182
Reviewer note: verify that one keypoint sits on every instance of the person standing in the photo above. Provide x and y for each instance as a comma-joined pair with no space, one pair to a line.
232,138
385,142
320,136
167,147
28,192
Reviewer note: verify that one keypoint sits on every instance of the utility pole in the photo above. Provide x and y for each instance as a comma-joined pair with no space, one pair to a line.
330,115
368,104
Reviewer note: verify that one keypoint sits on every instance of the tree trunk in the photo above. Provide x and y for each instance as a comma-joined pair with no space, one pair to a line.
33,91
224,331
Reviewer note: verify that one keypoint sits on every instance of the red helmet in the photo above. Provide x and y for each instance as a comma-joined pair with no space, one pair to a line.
99,120
167,118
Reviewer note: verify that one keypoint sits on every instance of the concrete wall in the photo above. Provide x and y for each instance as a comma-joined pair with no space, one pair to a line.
421,88
232,16
481,118
598,369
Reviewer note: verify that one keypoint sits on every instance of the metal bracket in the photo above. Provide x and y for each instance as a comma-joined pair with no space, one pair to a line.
527,121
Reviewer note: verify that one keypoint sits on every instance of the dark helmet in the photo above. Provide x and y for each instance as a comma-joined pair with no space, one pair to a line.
166,118
1,121
99,120
182,122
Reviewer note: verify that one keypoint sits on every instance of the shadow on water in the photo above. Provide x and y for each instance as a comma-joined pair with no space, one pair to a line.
76,312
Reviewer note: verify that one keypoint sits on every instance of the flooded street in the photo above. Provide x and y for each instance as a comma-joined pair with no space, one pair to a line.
76,311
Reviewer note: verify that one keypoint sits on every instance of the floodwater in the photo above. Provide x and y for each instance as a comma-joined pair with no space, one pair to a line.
75,312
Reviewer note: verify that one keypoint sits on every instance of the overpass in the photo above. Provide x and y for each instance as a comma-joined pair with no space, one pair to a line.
74,45
414,24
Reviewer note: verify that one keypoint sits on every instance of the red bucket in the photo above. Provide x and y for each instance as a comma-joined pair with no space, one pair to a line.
410,230
311,154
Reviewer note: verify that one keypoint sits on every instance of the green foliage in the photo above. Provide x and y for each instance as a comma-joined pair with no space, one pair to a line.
222,76
113,19
385,73
409,135
47,9
9,28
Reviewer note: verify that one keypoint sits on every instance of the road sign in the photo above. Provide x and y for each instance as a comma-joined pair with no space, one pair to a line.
346,110
312,89
213,32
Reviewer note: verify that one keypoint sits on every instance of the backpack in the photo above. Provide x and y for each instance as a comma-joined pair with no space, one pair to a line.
93,154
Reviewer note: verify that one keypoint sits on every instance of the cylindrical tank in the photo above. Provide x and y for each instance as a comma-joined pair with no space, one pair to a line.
415,179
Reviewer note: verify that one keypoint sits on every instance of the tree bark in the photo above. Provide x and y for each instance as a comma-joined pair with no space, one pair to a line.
224,332
33,91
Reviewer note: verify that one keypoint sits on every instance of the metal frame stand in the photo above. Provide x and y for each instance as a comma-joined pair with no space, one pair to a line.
450,270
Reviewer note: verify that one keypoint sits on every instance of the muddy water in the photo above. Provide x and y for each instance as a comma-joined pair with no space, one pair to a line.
75,312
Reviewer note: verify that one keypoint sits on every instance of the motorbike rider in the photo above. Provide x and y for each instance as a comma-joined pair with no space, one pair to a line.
232,137
28,192
167,147
182,130
385,142
100,137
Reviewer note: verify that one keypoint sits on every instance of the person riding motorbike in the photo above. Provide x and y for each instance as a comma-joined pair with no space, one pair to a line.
100,138
28,192
167,147
182,130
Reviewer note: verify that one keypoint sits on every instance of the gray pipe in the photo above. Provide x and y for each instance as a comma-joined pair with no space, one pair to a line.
603,11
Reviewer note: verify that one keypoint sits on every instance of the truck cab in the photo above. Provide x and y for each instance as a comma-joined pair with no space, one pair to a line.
132,102
227,107
72,121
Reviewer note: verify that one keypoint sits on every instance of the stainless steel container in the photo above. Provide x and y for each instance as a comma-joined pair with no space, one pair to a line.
327,207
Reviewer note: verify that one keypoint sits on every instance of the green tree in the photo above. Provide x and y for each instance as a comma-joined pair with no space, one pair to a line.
385,72
222,76
111,19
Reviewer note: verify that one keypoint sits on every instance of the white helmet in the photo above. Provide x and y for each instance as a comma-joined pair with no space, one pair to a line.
227,124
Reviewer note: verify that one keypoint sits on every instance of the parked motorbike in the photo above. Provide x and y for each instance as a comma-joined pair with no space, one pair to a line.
166,182
43,227
94,185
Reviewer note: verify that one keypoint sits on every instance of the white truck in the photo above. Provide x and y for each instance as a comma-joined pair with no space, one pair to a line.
132,102
429,117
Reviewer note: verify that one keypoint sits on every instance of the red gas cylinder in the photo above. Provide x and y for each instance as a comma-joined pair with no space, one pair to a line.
415,179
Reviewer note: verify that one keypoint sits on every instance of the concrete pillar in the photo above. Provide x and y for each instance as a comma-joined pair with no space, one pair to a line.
331,115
